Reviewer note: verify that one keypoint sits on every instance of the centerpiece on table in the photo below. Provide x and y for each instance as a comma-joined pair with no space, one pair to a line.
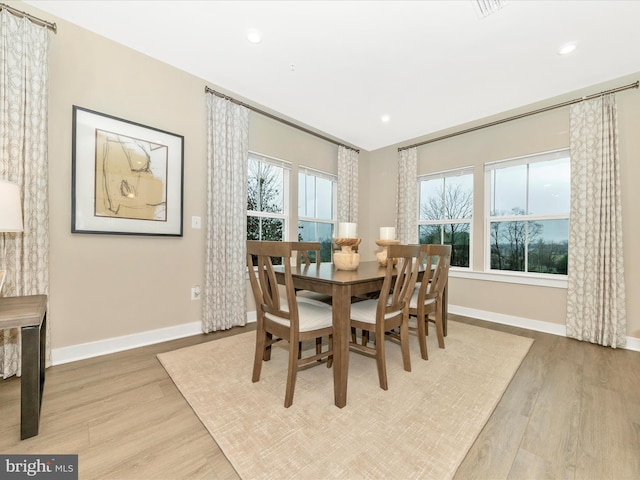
347,240
387,237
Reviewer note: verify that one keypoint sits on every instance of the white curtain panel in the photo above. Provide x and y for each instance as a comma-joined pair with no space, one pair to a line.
23,160
347,185
224,297
407,198
596,291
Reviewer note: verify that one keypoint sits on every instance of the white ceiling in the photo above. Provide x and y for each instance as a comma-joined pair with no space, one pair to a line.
429,65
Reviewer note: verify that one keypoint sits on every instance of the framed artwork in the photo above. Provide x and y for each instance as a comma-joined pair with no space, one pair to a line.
127,178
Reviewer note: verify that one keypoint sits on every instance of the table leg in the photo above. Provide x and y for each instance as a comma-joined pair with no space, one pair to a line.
32,381
341,305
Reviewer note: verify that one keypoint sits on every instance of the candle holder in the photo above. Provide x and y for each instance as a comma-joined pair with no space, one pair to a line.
346,258
382,256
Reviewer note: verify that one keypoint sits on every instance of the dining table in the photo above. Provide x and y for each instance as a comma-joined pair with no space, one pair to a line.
342,285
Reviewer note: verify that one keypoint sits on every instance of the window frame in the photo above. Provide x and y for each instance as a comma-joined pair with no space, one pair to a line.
334,194
286,200
333,221
444,174
540,157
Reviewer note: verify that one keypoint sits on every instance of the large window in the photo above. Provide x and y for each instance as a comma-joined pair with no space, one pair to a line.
267,198
446,212
317,209
528,213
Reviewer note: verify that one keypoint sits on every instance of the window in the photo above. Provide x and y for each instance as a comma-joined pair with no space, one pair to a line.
446,212
528,213
317,209
267,198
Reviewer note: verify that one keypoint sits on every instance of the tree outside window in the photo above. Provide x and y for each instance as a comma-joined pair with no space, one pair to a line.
267,197
446,212
528,222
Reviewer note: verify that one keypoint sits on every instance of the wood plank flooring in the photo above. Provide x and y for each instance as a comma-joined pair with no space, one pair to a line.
572,411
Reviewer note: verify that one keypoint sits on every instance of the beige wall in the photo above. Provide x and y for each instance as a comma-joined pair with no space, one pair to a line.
106,286
537,133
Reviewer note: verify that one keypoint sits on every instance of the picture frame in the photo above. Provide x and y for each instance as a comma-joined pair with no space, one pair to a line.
127,178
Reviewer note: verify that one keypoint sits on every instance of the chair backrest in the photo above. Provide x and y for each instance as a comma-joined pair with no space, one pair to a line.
303,251
437,259
264,283
397,290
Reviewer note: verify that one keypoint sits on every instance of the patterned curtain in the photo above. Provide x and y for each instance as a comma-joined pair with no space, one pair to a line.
23,160
407,200
347,185
596,290
224,295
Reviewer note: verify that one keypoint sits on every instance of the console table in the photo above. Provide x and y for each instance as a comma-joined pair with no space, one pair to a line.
29,314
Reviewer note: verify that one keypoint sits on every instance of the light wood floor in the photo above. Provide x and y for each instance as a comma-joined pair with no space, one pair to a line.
571,412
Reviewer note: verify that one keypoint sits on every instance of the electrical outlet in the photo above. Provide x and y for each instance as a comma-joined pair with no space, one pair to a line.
195,293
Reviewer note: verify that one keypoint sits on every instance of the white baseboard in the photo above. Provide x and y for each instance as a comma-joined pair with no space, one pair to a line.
127,342
536,325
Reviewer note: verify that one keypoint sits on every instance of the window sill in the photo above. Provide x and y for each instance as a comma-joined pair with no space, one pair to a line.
521,279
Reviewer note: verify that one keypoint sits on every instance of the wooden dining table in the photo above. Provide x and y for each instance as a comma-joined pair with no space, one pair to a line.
342,285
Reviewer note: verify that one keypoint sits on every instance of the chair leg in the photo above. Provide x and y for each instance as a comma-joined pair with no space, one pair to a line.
404,345
330,359
267,351
259,355
439,328
291,373
422,336
381,361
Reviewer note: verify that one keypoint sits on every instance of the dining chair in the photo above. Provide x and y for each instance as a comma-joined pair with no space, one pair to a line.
428,295
390,311
283,317
305,253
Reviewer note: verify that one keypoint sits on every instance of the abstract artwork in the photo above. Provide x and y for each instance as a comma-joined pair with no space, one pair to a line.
127,177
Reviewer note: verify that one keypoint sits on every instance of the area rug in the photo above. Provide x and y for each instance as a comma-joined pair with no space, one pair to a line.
422,427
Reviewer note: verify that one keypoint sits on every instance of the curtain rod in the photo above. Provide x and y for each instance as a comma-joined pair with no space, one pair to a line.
522,115
274,117
34,19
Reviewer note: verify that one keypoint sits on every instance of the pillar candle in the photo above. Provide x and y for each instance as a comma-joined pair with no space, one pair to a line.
387,233
347,230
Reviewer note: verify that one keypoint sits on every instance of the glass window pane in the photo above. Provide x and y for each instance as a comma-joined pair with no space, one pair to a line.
431,199
507,245
509,190
548,246
458,199
306,195
317,232
549,187
457,235
307,231
324,198
430,234
265,187
259,228
302,195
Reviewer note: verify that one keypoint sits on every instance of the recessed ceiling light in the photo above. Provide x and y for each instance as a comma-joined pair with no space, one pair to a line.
566,49
254,36
385,118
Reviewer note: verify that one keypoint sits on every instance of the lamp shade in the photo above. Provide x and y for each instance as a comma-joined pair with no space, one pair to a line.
10,207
